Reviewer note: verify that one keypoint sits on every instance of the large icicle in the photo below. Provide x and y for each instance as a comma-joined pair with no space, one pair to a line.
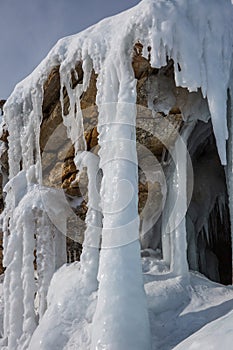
121,318
29,287
13,289
180,177
177,220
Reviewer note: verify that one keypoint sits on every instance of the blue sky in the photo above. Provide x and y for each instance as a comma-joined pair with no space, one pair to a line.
29,29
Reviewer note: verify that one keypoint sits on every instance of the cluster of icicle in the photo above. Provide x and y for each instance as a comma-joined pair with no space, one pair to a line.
26,227
198,37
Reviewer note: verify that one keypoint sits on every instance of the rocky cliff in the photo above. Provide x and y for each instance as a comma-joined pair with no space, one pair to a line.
163,112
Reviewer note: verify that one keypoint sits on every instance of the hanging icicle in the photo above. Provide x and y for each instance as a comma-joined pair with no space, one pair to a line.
90,254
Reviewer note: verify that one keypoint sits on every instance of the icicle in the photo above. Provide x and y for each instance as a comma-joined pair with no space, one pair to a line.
6,261
174,244
206,232
28,279
73,120
13,118
37,100
13,250
15,326
121,307
60,247
174,220
74,124
45,257
221,207
90,253
177,221
166,237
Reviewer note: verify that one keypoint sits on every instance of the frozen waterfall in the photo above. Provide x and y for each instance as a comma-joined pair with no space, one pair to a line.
110,265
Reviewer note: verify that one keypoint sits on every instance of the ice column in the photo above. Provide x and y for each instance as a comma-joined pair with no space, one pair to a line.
121,318
166,234
179,263
28,279
179,175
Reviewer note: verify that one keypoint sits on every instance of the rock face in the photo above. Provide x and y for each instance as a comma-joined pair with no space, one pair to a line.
163,111
58,153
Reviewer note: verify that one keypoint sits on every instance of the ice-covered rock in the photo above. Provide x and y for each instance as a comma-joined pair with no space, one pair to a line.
161,55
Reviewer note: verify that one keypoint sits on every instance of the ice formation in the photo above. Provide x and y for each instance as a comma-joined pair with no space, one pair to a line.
198,37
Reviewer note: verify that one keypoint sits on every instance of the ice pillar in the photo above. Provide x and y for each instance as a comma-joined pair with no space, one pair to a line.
121,318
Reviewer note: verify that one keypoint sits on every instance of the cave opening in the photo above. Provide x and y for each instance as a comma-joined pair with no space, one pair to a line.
208,217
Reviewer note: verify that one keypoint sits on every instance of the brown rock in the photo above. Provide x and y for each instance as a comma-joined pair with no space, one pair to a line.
89,96
51,91
4,135
141,67
91,137
66,152
55,176
47,160
68,168
49,125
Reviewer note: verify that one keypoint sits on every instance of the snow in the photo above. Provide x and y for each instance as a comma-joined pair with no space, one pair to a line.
176,309
69,308
215,335
109,310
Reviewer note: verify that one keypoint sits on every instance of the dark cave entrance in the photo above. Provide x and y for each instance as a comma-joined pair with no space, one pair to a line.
210,251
